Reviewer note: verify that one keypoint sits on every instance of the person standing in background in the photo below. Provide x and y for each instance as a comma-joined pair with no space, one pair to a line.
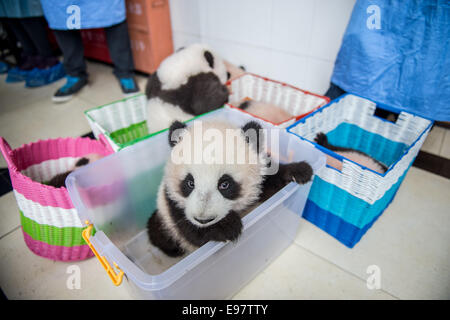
37,65
67,17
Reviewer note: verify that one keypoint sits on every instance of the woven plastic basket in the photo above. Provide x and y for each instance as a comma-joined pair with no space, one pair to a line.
50,224
122,123
346,203
295,101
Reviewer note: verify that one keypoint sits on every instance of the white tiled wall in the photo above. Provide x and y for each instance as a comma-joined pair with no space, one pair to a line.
295,41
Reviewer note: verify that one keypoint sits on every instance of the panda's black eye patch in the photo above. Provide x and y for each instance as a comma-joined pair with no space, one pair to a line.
187,185
209,58
228,187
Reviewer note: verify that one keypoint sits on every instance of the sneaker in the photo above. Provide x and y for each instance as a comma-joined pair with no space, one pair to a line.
42,77
72,86
129,86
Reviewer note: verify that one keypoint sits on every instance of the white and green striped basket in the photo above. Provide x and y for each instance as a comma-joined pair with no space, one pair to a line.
122,123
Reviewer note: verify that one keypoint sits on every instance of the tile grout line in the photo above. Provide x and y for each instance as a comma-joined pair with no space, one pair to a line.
342,269
255,46
9,232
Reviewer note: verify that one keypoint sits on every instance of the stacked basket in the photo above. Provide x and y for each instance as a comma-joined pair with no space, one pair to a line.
293,100
50,223
346,203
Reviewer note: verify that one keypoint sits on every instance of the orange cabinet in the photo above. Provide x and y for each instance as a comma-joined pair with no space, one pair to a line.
150,35
150,32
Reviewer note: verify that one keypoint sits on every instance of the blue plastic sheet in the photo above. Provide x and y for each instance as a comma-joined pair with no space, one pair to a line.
397,53
83,14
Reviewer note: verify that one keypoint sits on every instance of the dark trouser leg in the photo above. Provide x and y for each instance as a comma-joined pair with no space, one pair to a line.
120,49
72,48
10,41
36,30
334,91
28,48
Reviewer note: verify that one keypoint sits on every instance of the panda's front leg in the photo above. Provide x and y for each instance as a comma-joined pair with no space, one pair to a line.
160,238
300,172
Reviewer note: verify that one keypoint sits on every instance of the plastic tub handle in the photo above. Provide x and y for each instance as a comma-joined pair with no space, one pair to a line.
116,278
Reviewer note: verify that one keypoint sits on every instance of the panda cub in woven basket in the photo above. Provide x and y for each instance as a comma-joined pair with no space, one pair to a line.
187,83
352,154
200,201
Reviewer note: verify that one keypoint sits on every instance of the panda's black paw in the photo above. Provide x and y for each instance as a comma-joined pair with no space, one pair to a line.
321,139
300,172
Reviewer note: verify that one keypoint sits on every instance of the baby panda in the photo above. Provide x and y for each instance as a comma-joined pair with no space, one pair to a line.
188,83
59,180
352,154
200,201
266,111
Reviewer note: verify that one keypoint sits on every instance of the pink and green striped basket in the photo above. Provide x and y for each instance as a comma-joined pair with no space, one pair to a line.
50,223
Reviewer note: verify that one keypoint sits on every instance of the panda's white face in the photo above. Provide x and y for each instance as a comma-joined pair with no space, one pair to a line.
208,192
176,69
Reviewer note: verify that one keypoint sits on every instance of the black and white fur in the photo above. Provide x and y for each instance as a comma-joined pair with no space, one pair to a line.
59,180
201,202
352,154
188,83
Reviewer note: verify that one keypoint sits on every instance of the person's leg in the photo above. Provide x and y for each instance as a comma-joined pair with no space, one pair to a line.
334,91
37,31
120,52
36,28
10,42
120,49
29,51
71,45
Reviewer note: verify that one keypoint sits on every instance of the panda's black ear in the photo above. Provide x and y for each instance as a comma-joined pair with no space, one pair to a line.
254,135
153,85
209,58
176,130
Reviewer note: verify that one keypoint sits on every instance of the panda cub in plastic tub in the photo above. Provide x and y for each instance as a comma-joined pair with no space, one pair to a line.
208,187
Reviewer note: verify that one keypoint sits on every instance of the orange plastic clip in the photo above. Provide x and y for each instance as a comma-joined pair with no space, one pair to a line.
116,278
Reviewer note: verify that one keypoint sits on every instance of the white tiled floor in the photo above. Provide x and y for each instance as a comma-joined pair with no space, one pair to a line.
410,243
438,142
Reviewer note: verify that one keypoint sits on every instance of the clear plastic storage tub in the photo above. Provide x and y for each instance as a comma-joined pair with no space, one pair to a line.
117,194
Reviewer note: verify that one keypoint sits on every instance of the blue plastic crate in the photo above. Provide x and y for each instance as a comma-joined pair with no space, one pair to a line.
346,203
